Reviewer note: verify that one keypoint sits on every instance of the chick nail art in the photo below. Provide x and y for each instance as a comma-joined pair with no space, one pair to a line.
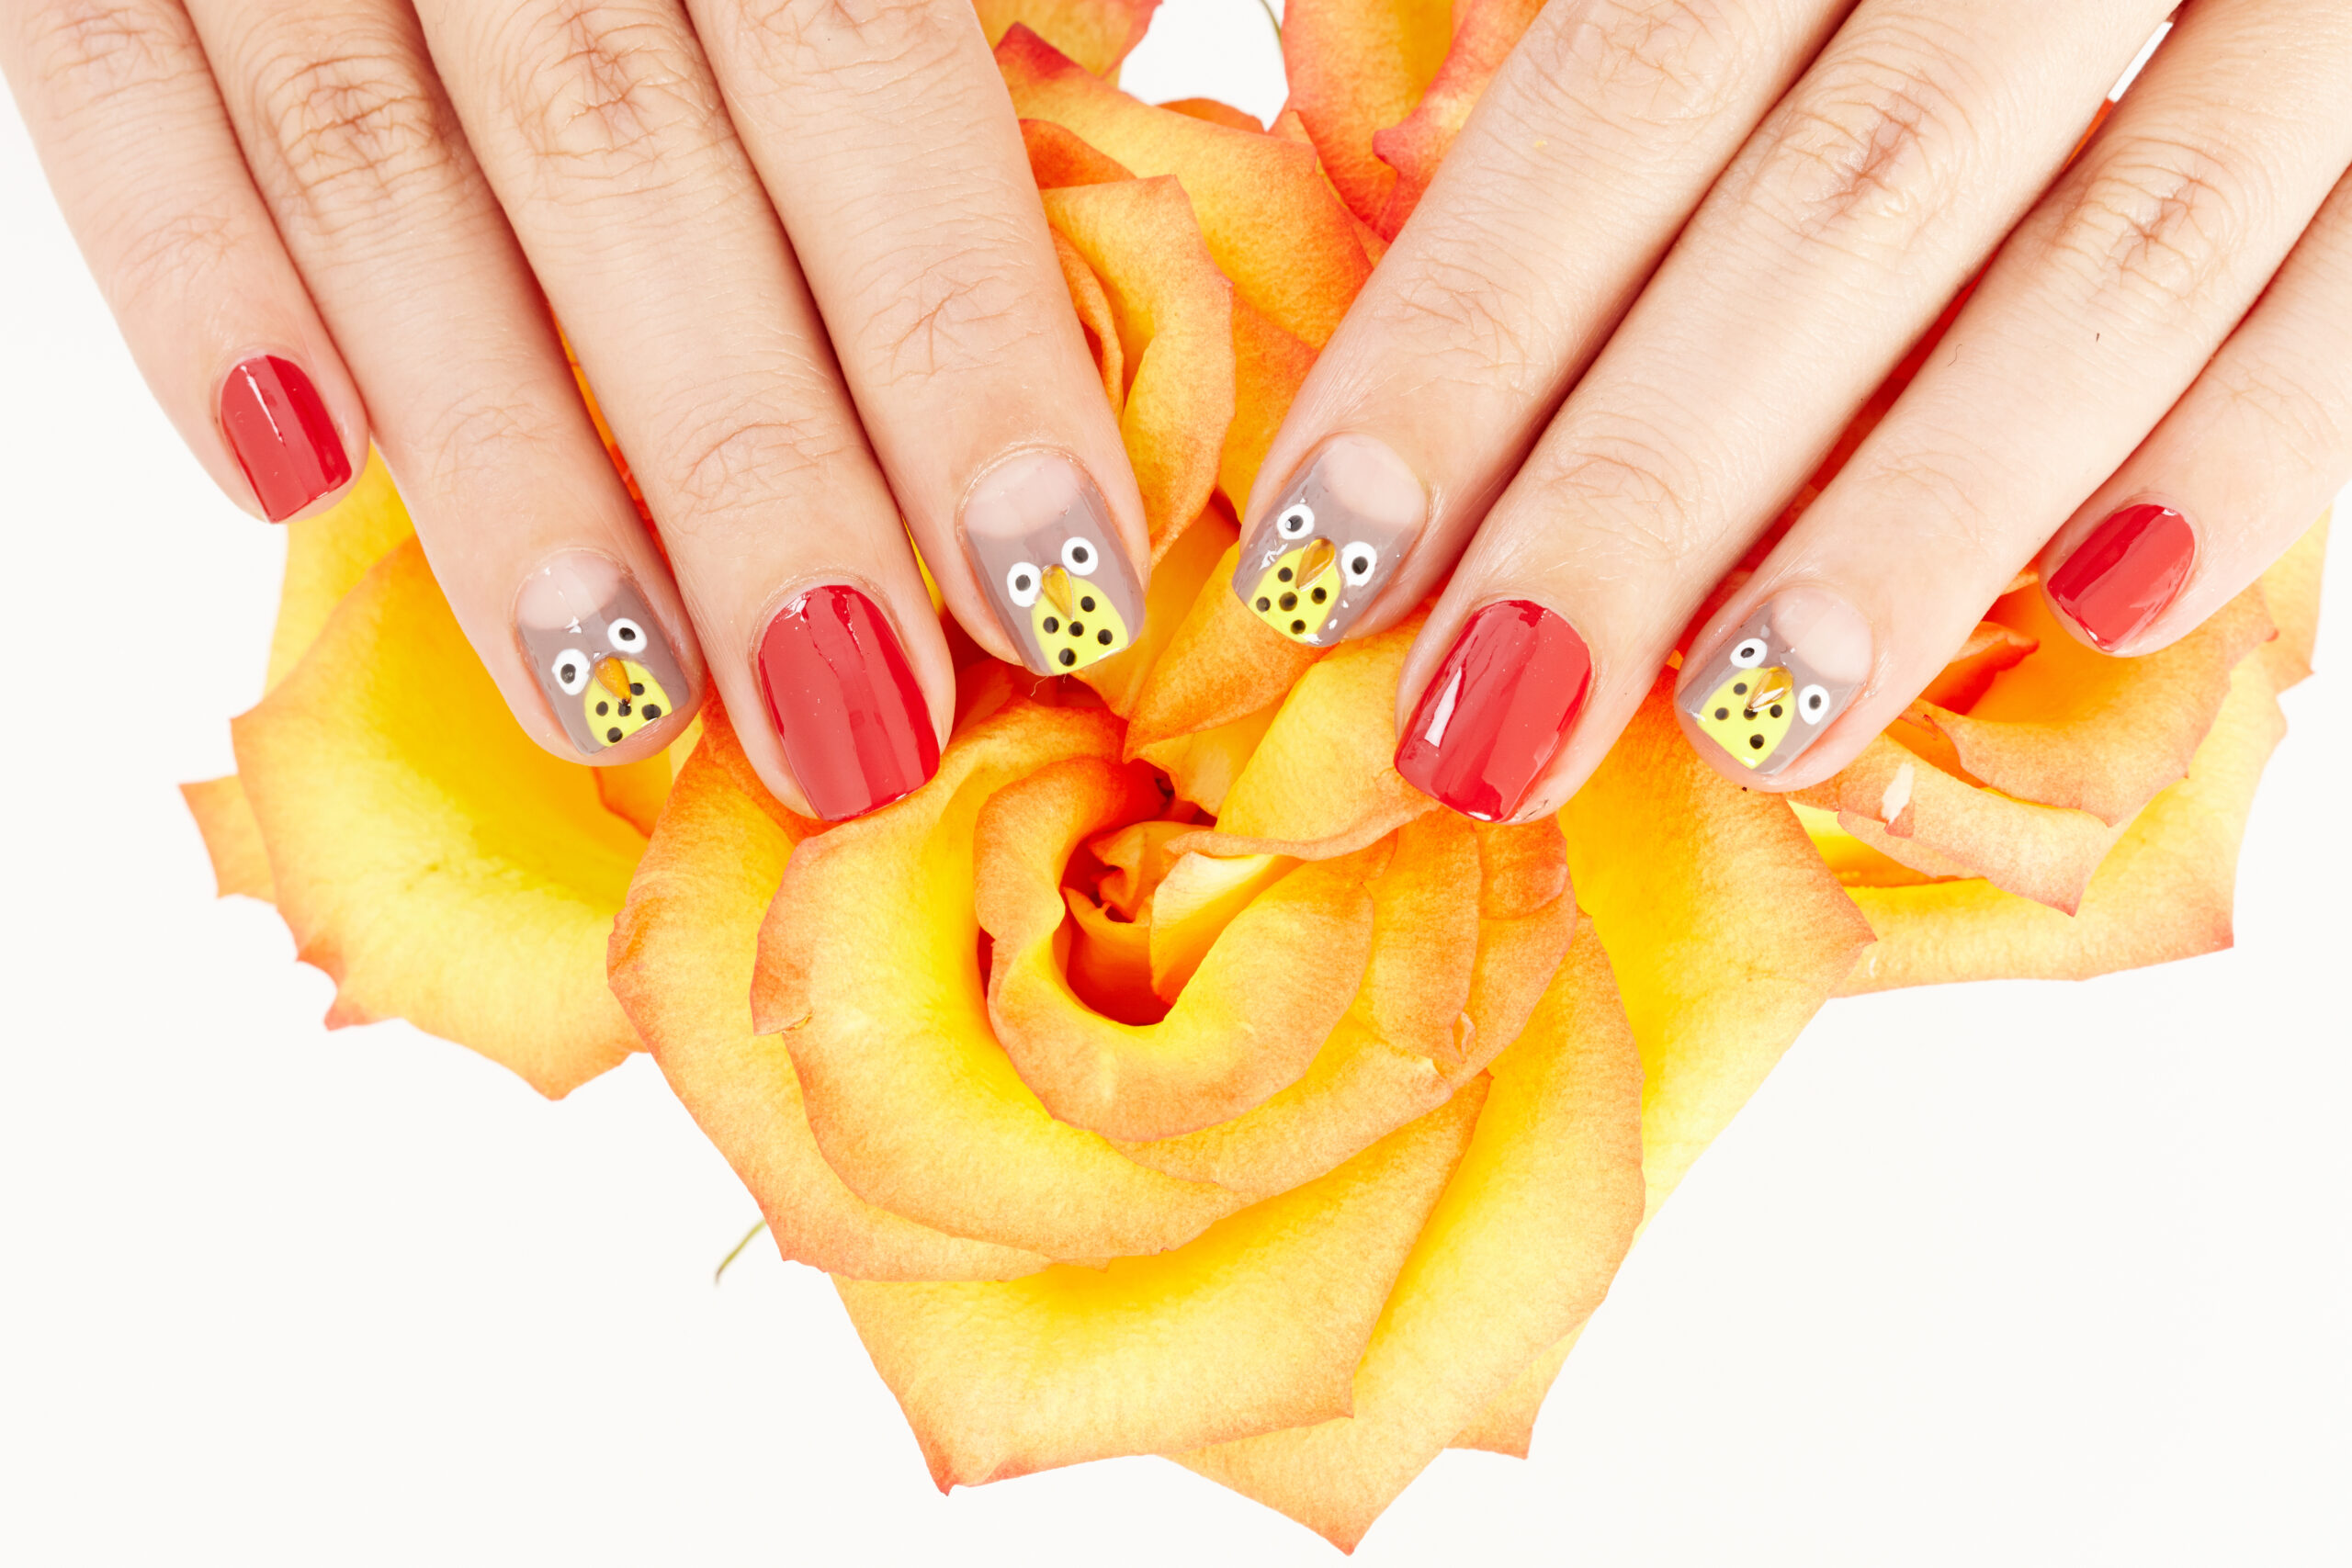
1333,542
596,649
1791,668
1042,545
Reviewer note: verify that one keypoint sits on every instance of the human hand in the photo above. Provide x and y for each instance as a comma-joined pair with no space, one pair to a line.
1666,261
798,252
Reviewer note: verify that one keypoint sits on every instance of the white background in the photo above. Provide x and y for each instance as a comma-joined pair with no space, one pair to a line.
2019,1273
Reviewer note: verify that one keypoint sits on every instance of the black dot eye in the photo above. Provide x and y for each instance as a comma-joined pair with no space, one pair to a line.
1295,521
1750,653
1021,581
1078,555
626,633
571,671
1357,565
1813,702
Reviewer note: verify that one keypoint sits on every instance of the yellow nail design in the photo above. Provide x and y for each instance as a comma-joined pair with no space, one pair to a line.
1749,713
1076,622
1296,596
623,699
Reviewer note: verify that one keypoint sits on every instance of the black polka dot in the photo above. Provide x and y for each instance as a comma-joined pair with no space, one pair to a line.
1757,741
1087,603
1741,688
1320,594
1068,657
1264,603
1290,601
1776,710
613,733
1297,627
1284,574
1722,712
652,712
624,710
1104,636
637,688
1052,625
603,709
1077,628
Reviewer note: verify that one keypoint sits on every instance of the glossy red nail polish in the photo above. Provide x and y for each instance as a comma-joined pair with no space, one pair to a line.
843,699
1496,710
278,428
2121,579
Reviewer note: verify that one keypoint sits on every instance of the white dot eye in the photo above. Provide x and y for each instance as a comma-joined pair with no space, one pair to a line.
570,671
1750,653
1296,521
1080,555
1811,702
1356,564
1022,581
626,636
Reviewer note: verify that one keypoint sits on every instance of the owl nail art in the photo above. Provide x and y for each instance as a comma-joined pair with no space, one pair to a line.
1333,543
597,651
1041,543
1788,672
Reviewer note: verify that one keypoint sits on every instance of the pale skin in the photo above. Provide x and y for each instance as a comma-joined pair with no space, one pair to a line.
797,251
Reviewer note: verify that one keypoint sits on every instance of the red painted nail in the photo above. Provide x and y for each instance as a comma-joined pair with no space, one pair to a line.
841,693
2121,579
1496,710
278,428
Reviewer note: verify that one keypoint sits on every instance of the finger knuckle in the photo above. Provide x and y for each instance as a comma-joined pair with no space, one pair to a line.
1644,65
1868,155
172,256
2300,426
739,457
476,437
1936,489
1465,309
88,54
944,310
609,91
352,123
2155,226
825,39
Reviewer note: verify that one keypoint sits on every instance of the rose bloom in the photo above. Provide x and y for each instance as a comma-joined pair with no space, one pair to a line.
1168,1077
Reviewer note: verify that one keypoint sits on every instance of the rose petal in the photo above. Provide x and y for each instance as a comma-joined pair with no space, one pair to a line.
1174,312
1357,67
1095,319
1990,648
1268,365
2164,892
2290,592
682,957
1268,217
1222,665
1485,32
1109,964
1515,1256
1059,156
1096,34
1255,1325
867,965
1177,577
327,555
425,852
1265,996
232,837
1215,113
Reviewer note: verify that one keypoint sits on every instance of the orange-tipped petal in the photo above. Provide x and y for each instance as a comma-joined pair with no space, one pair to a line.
1256,1325
1277,979
1215,113
232,837
1095,34
1095,319
1515,1256
869,968
2164,892
327,555
1177,579
1357,67
1268,365
1174,312
682,958
425,852
2291,592
1267,217
1222,664
1990,648
1485,32
1059,156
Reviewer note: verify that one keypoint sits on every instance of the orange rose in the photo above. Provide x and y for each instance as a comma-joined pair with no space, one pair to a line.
1166,1076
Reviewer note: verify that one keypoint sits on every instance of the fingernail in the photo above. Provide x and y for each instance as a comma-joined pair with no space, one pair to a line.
2123,576
282,436
1499,708
597,650
1785,674
843,699
1042,545
1333,542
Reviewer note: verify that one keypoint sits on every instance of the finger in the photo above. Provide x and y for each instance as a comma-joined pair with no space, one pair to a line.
1592,146
885,137
602,129
531,534
2235,473
131,129
1859,208
2097,315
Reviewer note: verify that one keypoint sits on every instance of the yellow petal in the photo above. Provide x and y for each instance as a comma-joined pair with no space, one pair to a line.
1257,1324
682,960
1515,1256
1096,34
232,837
327,555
